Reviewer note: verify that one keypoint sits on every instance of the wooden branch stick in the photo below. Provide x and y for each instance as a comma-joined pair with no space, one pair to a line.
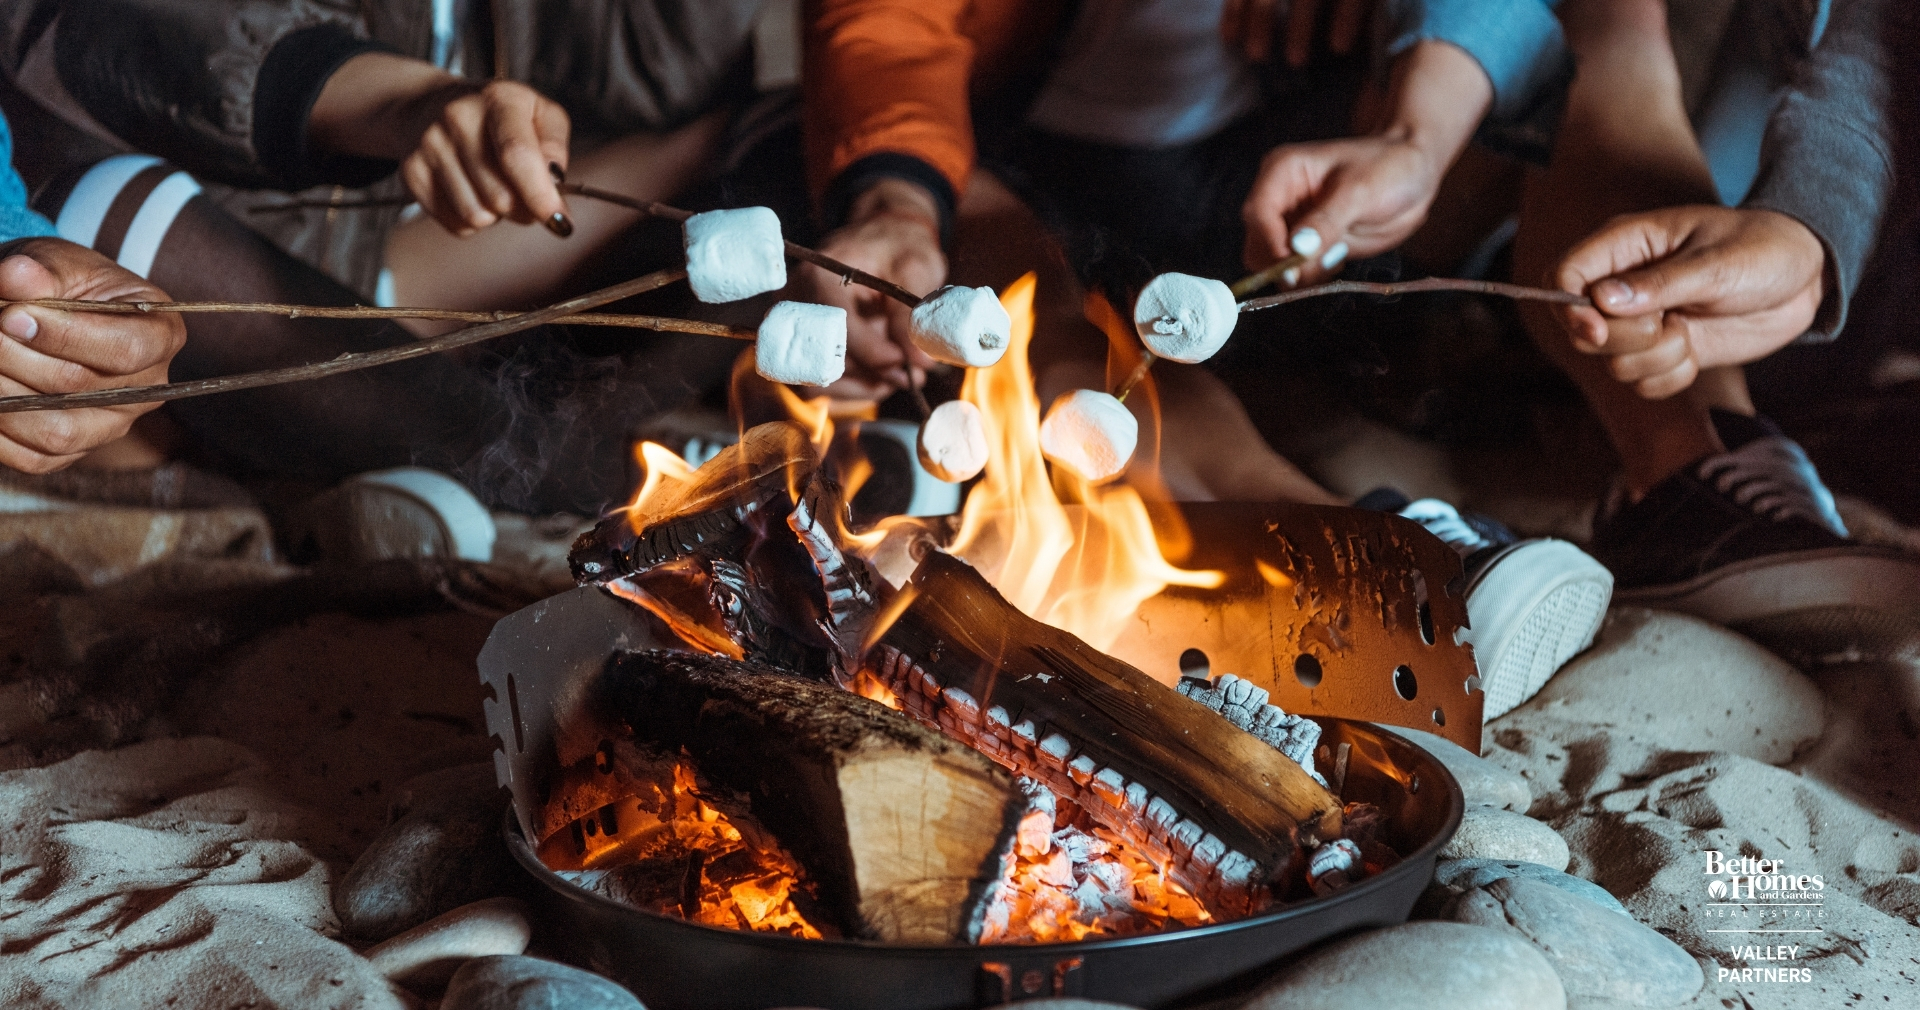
345,362
663,323
1425,284
1278,272
652,208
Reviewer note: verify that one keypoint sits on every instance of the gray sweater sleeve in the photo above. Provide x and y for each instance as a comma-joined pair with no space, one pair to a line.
1827,159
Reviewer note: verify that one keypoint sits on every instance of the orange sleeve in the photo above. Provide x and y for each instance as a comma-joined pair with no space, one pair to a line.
887,77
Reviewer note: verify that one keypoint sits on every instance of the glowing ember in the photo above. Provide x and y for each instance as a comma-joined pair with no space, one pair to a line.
1065,884
687,857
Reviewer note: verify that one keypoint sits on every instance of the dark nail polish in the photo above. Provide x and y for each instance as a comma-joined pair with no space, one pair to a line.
559,174
559,225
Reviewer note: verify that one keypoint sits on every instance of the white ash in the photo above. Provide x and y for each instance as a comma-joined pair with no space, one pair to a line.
1185,318
1244,703
802,344
953,442
1334,865
962,326
1197,860
734,254
1090,433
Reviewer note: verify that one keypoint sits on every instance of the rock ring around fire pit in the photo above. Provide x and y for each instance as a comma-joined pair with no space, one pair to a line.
672,963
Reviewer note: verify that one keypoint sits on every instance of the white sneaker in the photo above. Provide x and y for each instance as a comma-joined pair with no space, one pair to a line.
1531,604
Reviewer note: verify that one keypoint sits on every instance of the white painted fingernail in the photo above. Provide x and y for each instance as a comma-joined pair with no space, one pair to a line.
1290,276
1306,242
1334,257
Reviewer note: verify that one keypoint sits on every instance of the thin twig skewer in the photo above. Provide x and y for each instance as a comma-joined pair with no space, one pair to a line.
345,362
1425,284
666,324
1278,272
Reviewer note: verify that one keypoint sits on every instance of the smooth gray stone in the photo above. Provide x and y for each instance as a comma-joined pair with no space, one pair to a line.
1597,953
1452,876
1425,965
1491,833
513,982
426,956
1485,784
444,851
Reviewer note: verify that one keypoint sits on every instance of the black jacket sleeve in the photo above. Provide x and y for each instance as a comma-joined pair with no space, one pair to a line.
219,87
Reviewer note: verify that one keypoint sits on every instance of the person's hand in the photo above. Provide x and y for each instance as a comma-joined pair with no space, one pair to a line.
1357,196
1361,196
892,232
48,351
1247,25
1683,289
471,152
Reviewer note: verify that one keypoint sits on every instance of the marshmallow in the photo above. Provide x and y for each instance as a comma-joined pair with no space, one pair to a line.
1090,433
962,326
953,442
734,254
1185,318
802,344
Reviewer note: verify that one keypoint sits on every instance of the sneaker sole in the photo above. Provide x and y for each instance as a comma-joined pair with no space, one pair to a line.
1839,603
1529,619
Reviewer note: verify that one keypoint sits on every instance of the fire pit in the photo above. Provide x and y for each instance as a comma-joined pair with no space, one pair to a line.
763,757
543,664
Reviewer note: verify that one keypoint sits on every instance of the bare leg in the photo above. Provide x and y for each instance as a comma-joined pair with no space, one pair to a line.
1624,145
512,266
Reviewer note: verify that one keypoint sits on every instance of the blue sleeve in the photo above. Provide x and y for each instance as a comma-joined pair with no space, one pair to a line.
16,221
1517,42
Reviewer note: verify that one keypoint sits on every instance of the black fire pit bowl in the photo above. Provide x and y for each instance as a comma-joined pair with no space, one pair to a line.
672,964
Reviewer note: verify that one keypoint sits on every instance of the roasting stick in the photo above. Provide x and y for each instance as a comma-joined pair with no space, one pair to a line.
343,363
654,208
663,323
575,307
1257,281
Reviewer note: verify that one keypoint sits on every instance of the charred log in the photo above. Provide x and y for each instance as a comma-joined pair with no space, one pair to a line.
1227,810
903,829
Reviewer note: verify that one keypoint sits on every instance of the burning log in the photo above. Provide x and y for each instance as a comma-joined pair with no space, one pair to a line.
1225,810
903,829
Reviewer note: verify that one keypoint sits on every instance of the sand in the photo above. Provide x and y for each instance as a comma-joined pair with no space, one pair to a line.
192,869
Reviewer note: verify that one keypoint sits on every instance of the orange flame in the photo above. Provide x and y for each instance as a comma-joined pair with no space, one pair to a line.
665,472
1083,570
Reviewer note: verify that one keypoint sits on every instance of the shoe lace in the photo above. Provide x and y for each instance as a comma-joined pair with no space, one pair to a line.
1774,478
1444,521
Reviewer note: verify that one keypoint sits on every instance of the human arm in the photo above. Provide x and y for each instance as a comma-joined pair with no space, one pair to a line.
1693,287
46,351
472,152
889,143
1364,195
227,95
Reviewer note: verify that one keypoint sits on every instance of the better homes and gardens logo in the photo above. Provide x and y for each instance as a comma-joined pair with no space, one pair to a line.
1768,916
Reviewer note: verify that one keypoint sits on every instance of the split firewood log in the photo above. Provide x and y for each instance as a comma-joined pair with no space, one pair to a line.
903,829
1227,811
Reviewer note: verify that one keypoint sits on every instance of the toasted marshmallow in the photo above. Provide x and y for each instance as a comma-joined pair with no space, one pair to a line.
734,254
1090,433
802,344
1185,318
962,326
953,442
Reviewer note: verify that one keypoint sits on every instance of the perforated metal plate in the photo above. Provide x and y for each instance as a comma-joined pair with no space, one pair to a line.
1334,611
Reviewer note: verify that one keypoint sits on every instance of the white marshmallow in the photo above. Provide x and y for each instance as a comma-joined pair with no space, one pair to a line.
802,344
734,254
1185,318
953,442
1090,433
962,326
